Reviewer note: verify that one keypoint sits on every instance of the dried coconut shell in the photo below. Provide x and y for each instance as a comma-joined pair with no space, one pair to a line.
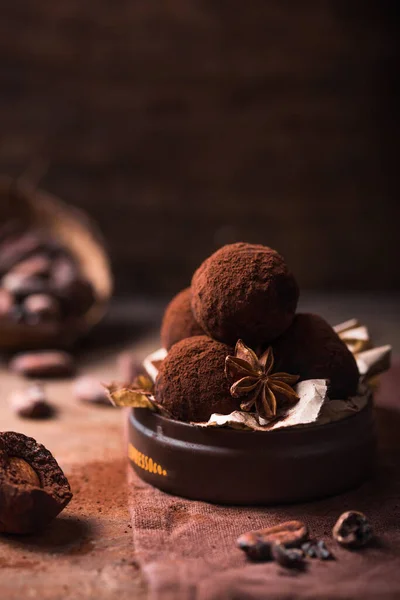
72,229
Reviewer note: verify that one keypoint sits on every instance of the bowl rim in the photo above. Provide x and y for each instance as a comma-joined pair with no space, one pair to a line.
306,427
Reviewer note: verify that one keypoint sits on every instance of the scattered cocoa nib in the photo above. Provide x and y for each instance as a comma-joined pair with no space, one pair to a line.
47,363
317,549
38,307
31,403
352,530
90,390
33,488
291,558
258,544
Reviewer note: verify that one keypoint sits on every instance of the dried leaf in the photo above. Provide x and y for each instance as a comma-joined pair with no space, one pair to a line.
124,396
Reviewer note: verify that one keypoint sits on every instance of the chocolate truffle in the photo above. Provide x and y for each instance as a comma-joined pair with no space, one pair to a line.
312,349
178,322
191,382
244,291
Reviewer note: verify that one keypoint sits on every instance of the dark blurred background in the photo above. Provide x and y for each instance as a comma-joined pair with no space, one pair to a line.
181,125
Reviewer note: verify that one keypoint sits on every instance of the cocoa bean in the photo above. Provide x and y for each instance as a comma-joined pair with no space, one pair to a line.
6,303
41,306
31,403
38,265
352,530
258,544
18,248
89,389
73,289
47,363
22,285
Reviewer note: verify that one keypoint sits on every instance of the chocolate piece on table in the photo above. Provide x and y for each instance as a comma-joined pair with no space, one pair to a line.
178,321
191,382
244,291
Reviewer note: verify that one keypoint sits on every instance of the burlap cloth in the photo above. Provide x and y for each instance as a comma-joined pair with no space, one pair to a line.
187,549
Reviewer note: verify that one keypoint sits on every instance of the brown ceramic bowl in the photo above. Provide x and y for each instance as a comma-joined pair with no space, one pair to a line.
226,466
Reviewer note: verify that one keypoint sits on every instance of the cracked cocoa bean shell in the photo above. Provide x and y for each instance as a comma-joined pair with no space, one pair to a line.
352,530
33,488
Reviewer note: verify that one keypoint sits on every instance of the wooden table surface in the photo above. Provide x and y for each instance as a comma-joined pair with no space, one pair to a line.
88,552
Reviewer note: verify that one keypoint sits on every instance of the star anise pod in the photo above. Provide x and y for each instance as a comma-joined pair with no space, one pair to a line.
252,379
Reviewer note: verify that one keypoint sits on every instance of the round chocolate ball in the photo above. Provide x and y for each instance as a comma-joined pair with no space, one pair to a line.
244,291
191,382
312,349
178,322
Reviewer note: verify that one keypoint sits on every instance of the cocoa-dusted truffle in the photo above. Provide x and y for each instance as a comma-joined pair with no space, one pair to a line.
191,382
244,291
178,322
312,349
